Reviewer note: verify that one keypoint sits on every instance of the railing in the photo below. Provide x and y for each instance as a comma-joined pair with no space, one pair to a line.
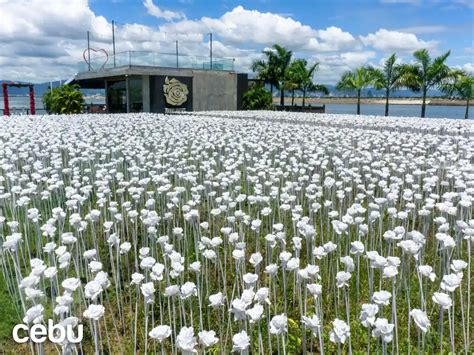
299,108
23,111
155,59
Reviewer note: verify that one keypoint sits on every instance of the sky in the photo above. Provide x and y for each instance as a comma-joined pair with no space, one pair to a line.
43,40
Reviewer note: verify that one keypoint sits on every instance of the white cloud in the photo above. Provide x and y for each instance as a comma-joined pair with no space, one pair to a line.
334,39
427,29
32,19
331,66
159,13
386,41
468,67
40,42
36,49
240,26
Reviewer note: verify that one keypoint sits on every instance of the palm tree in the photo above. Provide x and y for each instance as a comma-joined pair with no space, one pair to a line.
300,77
460,85
389,78
279,59
275,68
264,72
356,80
425,73
293,80
307,84
295,77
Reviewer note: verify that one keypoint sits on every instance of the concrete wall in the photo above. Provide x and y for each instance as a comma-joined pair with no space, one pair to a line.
214,91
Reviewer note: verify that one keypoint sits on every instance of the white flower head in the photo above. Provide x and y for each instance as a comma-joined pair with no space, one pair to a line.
368,313
94,312
383,329
160,333
216,300
261,296
442,299
137,278
315,289
255,259
255,313
92,290
240,341
207,338
382,298
427,271
339,332
188,289
250,279
34,314
357,248
148,292
450,282
421,319
342,279
186,341
279,324
312,323
71,284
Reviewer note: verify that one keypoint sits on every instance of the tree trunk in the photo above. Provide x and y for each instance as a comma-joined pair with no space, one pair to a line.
304,97
358,102
282,96
387,95
293,97
423,104
466,115
271,88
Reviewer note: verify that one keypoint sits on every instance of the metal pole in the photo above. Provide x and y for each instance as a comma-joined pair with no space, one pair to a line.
32,100
113,39
210,48
6,107
177,55
88,52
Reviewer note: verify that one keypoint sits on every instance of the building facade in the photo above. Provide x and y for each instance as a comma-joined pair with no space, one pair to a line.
145,88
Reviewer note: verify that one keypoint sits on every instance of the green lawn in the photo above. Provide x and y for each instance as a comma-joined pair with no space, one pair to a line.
8,317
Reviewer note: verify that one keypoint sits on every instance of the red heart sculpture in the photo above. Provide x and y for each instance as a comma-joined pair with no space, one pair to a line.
96,51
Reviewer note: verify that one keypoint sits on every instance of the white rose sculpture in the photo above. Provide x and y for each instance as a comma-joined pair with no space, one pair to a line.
176,93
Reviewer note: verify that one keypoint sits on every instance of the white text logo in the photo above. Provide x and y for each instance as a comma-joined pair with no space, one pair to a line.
55,333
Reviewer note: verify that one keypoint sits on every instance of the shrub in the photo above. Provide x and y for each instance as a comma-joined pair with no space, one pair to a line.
257,98
65,99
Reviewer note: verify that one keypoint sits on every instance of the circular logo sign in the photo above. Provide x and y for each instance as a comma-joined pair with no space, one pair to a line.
176,93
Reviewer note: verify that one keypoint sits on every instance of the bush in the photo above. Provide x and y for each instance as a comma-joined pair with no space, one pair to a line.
257,98
65,99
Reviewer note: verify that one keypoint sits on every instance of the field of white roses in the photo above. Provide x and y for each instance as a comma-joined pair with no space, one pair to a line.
248,232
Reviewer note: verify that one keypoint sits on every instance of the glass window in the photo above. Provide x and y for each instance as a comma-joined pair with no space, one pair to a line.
136,95
117,96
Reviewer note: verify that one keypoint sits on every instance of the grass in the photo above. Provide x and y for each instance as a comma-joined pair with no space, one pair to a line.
8,318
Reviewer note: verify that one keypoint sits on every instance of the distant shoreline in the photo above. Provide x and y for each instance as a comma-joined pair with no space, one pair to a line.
432,101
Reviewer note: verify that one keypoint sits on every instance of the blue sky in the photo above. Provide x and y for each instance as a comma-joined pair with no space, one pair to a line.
39,42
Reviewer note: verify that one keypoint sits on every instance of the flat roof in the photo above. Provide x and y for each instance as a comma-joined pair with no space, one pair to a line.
94,79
